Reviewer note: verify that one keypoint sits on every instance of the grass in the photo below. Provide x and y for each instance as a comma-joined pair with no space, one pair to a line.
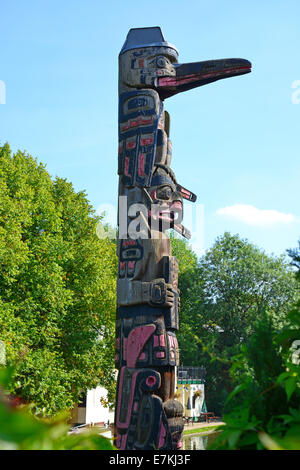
203,430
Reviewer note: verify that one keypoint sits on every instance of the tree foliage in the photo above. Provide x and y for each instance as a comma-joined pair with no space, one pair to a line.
294,253
187,260
263,410
233,285
57,286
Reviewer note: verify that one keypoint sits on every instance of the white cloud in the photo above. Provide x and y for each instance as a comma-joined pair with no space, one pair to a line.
252,216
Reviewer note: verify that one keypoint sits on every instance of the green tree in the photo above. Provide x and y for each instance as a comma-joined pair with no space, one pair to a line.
187,280
235,284
187,260
57,287
263,410
294,253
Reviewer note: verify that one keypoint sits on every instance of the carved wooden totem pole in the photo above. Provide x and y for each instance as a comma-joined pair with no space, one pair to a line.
151,201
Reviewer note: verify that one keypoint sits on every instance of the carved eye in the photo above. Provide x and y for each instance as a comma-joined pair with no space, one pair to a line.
161,62
164,193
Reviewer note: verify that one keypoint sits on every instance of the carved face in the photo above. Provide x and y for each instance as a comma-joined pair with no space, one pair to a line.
167,206
141,68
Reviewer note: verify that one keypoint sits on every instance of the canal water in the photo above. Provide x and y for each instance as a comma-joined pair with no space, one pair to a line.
191,442
198,441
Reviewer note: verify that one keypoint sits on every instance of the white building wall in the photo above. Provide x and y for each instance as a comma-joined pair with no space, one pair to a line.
95,411
186,394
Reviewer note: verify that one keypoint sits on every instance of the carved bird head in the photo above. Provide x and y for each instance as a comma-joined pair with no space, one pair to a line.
148,61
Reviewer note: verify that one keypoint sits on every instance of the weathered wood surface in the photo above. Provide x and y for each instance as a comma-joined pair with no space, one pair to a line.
150,202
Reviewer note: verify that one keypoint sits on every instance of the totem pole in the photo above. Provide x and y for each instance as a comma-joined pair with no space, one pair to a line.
150,202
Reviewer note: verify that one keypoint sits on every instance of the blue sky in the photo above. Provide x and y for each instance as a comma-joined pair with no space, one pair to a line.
235,142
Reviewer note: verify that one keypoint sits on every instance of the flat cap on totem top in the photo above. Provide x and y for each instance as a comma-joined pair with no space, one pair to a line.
145,37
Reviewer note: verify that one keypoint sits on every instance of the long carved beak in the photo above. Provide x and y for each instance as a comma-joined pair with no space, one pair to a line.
196,74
